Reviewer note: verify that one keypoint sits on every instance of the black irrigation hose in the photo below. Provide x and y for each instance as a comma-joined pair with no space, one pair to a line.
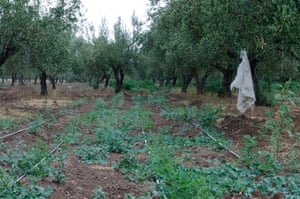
23,130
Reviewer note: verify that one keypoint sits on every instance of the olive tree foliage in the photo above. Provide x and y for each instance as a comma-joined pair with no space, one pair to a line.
15,19
98,65
120,58
112,57
51,44
37,35
203,36
83,58
176,33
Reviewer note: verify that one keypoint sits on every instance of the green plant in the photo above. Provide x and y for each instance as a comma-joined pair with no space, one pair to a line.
32,190
98,193
7,123
117,100
249,155
114,140
281,123
138,86
57,169
71,138
206,115
158,99
78,102
92,154
128,163
145,196
176,181
34,127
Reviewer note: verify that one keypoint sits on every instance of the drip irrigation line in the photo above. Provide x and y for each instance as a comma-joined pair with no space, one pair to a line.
199,127
37,164
23,130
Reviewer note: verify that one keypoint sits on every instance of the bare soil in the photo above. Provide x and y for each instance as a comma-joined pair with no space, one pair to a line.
81,179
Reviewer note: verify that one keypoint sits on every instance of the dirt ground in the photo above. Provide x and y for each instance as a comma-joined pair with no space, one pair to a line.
25,101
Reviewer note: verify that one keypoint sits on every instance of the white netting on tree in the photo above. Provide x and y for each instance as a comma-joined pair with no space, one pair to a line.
243,81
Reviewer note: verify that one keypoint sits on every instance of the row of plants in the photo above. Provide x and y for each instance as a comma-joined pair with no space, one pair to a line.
130,132
112,126
34,161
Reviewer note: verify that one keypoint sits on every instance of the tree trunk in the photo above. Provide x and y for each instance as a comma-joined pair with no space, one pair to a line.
257,91
227,79
186,81
35,79
119,76
21,80
106,82
52,80
13,78
200,82
174,81
43,80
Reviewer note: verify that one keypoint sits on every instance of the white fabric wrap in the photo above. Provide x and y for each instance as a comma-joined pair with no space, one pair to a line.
243,81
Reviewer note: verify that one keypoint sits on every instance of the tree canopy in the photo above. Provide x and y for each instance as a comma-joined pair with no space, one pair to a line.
184,40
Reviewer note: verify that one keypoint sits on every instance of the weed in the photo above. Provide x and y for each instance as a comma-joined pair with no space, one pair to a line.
71,138
145,196
92,154
158,99
117,100
114,140
7,123
128,163
249,155
206,115
98,193
32,190
56,171
78,102
280,124
176,181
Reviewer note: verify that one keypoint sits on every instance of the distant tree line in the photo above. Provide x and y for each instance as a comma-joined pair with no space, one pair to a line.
185,41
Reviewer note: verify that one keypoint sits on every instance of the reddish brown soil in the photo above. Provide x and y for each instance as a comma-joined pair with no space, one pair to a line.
25,101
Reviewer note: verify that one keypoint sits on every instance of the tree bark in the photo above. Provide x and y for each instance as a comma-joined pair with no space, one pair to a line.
21,80
35,79
53,82
106,82
201,81
174,81
258,94
186,81
227,79
43,82
13,78
119,77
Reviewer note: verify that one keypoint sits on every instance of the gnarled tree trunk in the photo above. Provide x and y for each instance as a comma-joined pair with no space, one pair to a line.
201,81
43,82
53,82
227,79
119,77
257,91
186,80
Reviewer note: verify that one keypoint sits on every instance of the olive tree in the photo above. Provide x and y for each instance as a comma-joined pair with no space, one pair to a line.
120,55
209,34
